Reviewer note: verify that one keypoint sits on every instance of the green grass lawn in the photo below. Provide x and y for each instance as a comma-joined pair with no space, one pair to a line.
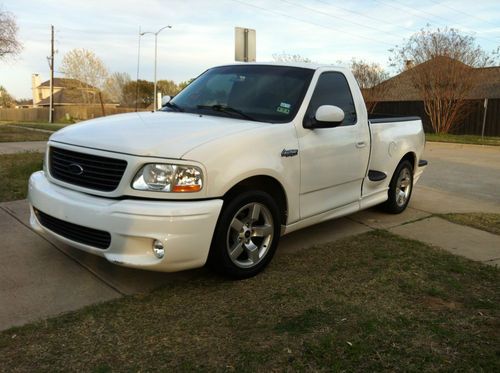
486,221
463,139
15,170
12,134
367,303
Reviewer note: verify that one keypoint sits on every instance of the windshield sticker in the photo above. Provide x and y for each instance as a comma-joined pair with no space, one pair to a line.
282,110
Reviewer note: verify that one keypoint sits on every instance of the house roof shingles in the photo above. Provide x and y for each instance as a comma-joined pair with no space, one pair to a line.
66,83
401,88
64,97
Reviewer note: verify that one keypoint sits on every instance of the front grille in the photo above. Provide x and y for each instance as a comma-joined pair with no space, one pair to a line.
88,236
86,170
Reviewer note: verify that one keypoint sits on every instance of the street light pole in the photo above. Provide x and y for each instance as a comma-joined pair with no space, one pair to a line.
137,77
155,104
155,98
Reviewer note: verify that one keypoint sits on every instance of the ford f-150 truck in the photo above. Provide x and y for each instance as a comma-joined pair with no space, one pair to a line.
244,154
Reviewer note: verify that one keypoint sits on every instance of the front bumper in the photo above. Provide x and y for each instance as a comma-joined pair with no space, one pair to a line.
185,228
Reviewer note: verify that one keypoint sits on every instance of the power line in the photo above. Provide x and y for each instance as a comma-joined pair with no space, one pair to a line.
127,33
459,11
360,14
338,17
401,6
312,23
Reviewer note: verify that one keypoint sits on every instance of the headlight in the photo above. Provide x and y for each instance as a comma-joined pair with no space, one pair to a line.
161,177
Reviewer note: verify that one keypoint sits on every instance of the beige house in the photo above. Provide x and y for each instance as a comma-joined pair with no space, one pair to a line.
66,92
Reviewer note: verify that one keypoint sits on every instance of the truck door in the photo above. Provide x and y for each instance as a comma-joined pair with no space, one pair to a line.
333,160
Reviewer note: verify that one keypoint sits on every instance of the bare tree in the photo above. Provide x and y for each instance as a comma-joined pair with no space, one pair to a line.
9,43
287,57
369,77
114,86
88,70
442,66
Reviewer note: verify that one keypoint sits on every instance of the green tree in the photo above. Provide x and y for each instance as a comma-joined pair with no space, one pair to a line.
144,90
6,100
184,84
167,87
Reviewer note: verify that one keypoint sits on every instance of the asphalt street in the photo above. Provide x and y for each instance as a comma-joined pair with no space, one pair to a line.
472,171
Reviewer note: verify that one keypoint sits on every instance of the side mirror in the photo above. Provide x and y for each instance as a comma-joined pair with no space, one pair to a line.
329,114
326,116
165,100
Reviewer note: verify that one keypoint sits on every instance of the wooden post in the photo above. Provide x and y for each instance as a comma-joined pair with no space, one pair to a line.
484,117
102,104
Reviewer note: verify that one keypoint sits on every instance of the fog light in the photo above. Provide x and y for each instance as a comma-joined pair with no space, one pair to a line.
158,249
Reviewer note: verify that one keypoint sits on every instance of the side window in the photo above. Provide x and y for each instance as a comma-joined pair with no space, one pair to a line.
332,89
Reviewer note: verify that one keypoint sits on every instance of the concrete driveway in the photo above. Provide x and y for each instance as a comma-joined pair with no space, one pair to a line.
40,278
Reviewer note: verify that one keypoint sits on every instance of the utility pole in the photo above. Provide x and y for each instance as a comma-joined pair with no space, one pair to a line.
51,65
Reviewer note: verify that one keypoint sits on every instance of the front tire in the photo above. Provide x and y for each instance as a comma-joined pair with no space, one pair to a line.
400,188
246,236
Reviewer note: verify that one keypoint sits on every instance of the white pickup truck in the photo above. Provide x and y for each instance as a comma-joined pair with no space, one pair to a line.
244,154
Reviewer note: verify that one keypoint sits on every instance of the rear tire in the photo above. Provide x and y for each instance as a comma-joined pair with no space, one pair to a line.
400,189
246,235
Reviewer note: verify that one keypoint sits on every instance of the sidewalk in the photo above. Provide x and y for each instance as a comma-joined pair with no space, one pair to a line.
460,240
37,281
22,146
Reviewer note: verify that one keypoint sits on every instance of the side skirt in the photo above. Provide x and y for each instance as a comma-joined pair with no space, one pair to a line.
362,204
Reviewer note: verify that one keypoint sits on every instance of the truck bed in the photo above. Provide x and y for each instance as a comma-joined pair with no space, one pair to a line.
391,138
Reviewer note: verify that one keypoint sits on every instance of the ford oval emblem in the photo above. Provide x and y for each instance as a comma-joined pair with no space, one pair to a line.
75,169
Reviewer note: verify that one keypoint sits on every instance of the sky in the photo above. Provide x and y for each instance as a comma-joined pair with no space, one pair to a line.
202,33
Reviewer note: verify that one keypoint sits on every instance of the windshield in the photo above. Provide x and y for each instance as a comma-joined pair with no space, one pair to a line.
252,92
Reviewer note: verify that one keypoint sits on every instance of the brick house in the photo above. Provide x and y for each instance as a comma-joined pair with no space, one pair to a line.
399,96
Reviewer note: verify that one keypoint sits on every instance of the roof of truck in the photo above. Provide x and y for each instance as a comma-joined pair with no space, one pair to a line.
305,65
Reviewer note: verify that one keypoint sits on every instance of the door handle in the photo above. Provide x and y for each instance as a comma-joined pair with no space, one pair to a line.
360,144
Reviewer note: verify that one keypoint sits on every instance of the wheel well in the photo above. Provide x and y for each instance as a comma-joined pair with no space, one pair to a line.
411,157
266,184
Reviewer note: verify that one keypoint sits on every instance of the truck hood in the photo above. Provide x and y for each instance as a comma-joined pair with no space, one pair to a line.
160,134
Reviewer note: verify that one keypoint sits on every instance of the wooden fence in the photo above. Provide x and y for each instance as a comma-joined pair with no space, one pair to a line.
60,113
471,124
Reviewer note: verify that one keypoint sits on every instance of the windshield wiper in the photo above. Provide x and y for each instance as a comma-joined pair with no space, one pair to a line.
174,106
226,109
